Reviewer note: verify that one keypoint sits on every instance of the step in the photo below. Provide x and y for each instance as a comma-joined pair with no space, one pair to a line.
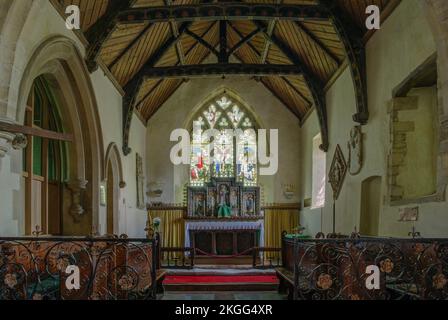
220,283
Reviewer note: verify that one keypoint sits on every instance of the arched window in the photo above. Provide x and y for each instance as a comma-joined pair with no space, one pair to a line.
45,162
232,151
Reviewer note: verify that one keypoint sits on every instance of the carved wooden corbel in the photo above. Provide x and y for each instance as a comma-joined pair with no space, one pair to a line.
76,187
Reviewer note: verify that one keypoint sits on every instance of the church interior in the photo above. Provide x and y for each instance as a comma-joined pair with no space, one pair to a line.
223,150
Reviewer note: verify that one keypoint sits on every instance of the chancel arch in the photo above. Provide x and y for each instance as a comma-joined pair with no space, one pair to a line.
58,60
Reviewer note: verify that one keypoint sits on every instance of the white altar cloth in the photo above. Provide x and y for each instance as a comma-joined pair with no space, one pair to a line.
224,225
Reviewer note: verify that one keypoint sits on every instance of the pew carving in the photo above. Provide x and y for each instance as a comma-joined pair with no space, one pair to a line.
109,269
335,269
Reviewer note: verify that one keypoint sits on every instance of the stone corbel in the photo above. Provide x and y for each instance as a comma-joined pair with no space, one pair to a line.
76,187
5,143
17,141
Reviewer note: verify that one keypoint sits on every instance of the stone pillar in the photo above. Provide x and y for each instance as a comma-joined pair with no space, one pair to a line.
5,143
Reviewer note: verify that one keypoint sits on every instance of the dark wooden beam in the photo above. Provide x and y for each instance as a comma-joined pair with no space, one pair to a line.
270,31
133,86
224,11
220,69
223,54
281,99
203,42
243,41
35,132
102,29
161,80
352,38
191,49
315,85
175,33
271,27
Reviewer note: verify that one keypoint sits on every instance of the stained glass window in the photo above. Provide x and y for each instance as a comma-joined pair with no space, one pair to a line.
231,150
247,157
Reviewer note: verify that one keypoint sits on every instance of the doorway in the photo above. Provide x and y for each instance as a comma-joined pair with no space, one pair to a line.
370,206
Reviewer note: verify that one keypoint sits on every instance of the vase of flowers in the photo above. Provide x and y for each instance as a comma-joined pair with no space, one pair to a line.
156,224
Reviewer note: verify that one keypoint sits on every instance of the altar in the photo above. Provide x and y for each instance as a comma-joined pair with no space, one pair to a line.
224,218
224,238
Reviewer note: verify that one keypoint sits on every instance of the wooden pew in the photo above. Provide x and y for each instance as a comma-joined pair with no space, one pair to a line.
323,270
108,269
285,273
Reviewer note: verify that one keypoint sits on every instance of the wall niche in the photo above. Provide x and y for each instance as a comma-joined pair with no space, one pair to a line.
414,138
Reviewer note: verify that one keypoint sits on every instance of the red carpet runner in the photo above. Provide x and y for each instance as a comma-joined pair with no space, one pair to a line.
170,280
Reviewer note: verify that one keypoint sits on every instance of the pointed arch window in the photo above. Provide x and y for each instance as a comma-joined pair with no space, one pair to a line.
232,152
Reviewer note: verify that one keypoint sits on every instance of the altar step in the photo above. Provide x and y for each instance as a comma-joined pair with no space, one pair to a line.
237,261
218,283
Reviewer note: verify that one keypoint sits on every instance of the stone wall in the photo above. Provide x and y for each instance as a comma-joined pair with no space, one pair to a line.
403,44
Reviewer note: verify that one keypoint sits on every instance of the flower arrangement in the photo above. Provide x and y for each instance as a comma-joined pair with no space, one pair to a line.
156,222
299,230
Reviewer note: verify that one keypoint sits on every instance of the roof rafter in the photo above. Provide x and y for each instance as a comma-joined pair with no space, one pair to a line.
130,45
186,54
294,111
316,40
315,86
133,86
271,28
100,32
223,56
202,42
175,33
243,41
224,11
293,87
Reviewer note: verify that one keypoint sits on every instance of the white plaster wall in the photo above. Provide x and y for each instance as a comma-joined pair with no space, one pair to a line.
310,219
176,113
44,22
404,42
131,219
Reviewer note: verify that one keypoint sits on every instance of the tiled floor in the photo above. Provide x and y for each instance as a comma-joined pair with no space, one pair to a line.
257,296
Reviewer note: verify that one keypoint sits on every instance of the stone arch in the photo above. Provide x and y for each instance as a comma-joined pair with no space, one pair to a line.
58,59
231,93
13,15
12,19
